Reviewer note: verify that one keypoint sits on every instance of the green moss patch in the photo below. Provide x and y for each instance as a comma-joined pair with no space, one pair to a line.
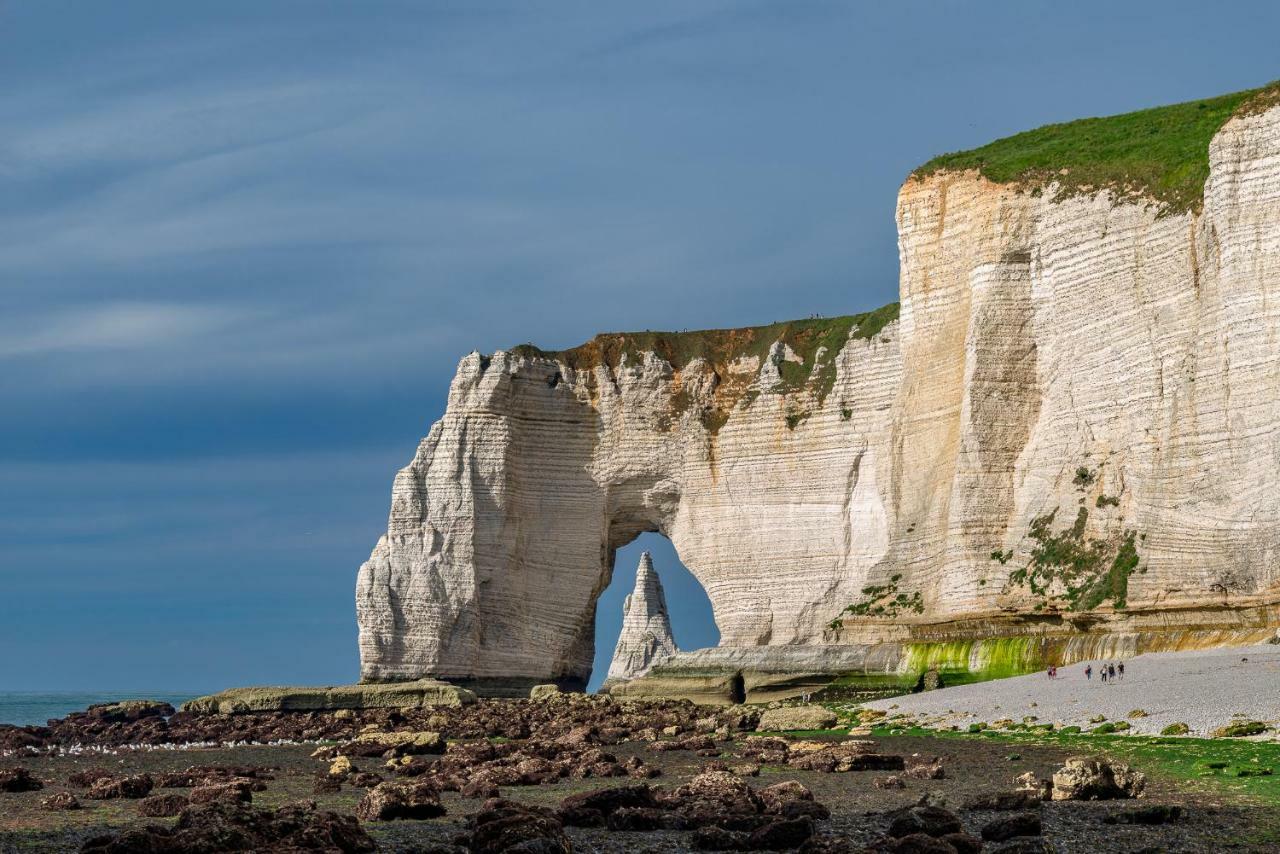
1067,569
883,600
1160,154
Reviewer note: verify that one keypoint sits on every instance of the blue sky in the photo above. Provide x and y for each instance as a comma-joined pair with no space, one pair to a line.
244,244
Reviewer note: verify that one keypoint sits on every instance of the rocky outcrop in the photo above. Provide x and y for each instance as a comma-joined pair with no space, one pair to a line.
403,695
646,627
1068,426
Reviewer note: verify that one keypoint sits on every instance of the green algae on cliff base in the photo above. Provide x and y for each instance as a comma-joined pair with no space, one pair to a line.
964,661
1160,154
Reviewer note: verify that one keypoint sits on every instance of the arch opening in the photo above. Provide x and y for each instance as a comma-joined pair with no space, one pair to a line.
738,689
692,622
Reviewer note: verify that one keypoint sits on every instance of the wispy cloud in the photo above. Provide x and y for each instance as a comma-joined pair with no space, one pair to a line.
111,327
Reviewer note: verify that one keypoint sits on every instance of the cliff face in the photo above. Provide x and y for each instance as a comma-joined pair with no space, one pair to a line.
646,637
1075,413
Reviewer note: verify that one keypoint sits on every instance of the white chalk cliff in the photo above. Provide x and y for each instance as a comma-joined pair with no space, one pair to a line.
646,637
1076,409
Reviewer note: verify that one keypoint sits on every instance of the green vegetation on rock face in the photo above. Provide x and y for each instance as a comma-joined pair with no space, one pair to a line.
962,662
815,343
1066,568
1160,154
883,600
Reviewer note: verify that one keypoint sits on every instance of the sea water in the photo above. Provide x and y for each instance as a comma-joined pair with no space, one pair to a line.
37,707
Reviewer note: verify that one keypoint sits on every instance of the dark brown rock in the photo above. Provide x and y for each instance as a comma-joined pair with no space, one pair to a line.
920,843
1018,799
1018,824
223,826
1153,814
509,826
963,842
18,780
107,788
927,819
713,838
86,778
162,806
606,801
233,790
781,835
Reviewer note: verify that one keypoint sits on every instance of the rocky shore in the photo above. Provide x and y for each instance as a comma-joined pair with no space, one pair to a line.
571,773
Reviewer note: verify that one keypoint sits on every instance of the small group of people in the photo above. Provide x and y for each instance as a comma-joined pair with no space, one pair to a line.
1110,671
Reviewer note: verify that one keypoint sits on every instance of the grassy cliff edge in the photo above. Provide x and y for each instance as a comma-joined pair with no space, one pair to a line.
1159,154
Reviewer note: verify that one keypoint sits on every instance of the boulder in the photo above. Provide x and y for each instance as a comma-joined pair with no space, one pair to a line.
579,809
128,710
1018,824
775,797
786,718
544,691
781,835
418,693
225,826
107,788
504,825
387,801
713,838
1018,799
162,806
927,819
59,801
238,791
1085,779
394,744
18,780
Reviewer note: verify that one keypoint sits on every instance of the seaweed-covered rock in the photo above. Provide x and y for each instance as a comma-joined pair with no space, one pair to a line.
233,827
503,826
107,788
162,806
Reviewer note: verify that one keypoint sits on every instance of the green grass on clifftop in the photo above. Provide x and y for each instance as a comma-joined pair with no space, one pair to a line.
815,341
1161,154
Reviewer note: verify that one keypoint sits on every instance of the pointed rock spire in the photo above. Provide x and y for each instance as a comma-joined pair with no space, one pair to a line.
646,628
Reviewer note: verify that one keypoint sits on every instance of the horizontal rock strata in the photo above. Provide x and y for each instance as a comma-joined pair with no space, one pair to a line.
411,694
1073,412
646,637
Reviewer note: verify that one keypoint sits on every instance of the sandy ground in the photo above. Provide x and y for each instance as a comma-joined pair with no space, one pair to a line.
1203,689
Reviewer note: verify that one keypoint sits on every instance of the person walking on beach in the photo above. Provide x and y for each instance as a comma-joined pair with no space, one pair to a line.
1102,671
1088,672
1111,672
1120,669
